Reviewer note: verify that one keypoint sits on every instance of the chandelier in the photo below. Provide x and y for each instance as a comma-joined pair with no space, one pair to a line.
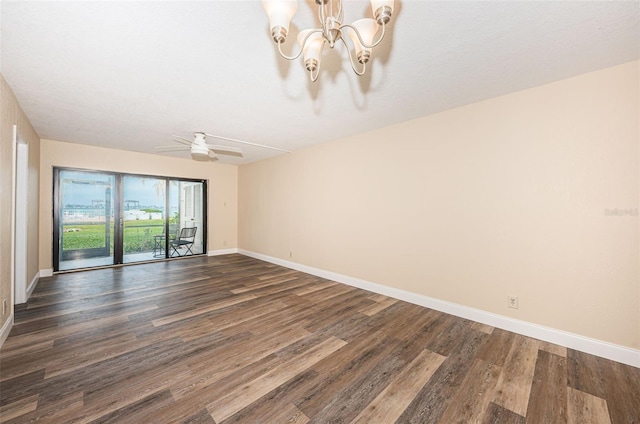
332,29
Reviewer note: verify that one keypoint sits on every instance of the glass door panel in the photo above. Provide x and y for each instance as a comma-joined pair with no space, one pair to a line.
86,217
187,206
143,218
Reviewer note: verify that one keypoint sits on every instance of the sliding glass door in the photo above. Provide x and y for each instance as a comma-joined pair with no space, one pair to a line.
104,218
85,224
143,220
187,199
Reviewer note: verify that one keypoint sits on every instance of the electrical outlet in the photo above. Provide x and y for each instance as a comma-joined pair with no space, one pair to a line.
512,302
4,306
290,254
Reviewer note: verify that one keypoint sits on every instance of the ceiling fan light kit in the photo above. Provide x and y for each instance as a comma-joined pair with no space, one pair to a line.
200,152
361,33
199,149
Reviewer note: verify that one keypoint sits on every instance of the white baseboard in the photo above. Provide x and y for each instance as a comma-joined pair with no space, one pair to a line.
6,329
222,252
32,284
595,347
48,272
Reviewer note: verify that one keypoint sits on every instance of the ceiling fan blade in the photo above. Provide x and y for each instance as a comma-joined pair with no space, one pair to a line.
182,140
172,148
247,142
222,149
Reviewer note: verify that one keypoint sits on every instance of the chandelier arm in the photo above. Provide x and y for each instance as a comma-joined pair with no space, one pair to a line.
353,66
335,14
297,55
320,14
314,79
340,11
323,14
365,45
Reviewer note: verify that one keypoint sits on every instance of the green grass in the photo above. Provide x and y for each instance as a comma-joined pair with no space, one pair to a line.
138,235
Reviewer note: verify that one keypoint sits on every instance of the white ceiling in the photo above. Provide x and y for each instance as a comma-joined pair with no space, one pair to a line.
129,75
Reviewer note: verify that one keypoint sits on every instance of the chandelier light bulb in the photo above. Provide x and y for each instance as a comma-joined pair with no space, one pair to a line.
280,13
312,48
367,29
382,10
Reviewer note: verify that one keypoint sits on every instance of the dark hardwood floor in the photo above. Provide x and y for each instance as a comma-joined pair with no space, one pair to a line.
231,339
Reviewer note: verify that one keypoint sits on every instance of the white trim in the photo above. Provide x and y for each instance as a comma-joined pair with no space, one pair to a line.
12,249
47,272
6,329
32,285
222,252
21,229
595,347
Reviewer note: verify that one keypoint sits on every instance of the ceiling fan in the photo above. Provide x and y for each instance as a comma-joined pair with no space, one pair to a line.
201,150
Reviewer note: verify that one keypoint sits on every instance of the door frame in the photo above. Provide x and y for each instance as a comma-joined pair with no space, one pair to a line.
19,227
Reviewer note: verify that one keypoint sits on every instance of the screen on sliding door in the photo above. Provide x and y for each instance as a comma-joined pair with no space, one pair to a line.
85,220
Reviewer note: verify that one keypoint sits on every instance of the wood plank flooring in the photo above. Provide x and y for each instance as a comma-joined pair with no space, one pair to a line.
231,339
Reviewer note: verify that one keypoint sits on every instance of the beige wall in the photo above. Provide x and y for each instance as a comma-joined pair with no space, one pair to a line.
222,185
503,197
11,114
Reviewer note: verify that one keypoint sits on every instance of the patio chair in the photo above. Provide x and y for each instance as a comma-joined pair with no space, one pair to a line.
185,239
159,240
